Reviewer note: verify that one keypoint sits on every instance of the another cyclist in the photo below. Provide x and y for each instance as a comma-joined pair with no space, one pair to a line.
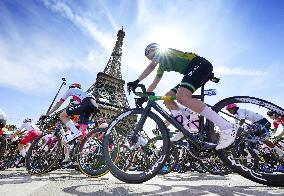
256,119
277,119
196,71
87,105
244,114
31,132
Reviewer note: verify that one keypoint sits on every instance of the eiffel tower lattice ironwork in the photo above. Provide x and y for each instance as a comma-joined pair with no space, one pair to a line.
109,86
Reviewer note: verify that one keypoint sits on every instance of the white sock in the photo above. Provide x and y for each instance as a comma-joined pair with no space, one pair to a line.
23,152
72,127
216,118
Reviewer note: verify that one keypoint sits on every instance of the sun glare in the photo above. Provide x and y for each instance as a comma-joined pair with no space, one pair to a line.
166,37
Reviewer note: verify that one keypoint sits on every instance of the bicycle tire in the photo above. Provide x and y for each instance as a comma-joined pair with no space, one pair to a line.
92,163
113,129
227,155
10,156
43,161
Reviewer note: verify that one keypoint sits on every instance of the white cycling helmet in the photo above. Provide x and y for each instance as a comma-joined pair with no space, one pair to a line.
151,47
27,120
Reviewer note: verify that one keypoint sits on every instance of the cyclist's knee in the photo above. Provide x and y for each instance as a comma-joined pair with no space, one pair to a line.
182,99
183,95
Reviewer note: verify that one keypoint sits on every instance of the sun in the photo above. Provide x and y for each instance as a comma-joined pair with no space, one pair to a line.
166,37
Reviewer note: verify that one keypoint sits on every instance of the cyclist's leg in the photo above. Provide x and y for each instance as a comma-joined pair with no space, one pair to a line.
170,104
33,135
197,75
22,149
65,118
83,123
23,143
87,110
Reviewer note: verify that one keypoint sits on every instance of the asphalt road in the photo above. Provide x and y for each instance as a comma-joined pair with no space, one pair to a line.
70,182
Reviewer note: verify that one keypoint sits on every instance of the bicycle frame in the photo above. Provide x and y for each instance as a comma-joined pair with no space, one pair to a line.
169,118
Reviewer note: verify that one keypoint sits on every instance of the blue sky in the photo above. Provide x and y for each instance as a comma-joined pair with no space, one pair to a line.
42,41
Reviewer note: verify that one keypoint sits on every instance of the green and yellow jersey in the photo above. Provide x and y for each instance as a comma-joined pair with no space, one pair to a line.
173,60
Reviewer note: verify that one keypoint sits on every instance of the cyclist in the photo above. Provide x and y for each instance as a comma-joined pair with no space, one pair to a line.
87,105
31,132
244,114
196,71
256,119
277,119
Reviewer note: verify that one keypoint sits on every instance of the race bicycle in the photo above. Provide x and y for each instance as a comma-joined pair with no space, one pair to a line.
48,151
128,126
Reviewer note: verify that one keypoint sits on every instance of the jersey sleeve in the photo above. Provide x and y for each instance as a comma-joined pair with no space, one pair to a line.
241,114
160,72
66,95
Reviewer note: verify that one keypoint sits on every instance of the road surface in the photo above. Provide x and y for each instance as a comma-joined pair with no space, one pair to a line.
71,182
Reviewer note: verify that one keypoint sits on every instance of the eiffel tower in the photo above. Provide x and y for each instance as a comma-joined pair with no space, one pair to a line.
108,89
109,86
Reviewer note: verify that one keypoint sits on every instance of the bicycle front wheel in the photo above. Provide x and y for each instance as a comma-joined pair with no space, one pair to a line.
247,155
141,153
90,154
43,153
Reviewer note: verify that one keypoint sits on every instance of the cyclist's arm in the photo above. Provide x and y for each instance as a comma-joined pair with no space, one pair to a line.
55,107
60,102
154,84
148,70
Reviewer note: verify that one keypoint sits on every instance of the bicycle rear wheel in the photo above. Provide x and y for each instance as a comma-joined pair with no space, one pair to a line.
141,154
10,156
43,153
246,155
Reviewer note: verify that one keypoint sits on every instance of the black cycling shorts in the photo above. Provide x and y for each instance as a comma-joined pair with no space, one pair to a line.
197,74
84,109
264,128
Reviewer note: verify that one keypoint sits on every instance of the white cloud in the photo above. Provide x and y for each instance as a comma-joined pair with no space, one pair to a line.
29,70
83,23
238,72
35,60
